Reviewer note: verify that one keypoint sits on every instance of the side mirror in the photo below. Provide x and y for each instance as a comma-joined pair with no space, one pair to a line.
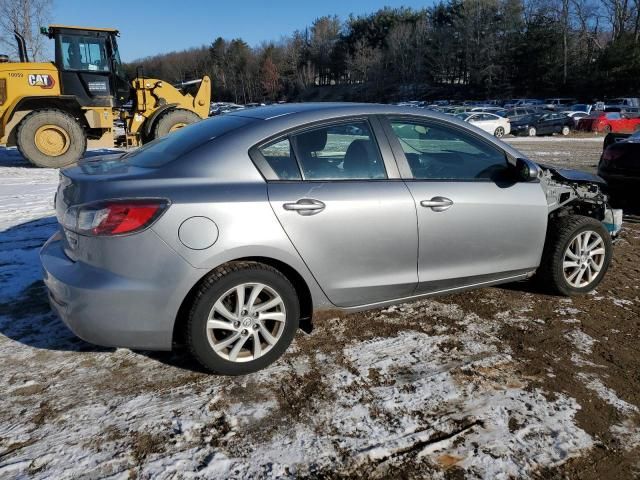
526,170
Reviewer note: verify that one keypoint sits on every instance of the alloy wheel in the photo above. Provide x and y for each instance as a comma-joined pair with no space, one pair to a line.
246,322
583,259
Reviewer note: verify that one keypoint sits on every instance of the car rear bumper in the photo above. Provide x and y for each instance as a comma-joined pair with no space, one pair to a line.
107,309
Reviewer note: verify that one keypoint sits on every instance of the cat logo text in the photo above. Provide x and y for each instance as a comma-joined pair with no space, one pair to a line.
41,80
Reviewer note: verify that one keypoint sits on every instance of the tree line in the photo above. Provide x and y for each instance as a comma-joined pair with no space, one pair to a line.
588,49
455,48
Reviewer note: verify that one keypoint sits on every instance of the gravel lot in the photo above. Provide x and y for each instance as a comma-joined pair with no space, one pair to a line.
496,383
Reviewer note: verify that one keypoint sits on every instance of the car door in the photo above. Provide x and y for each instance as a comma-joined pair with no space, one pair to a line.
546,124
476,223
483,122
339,198
491,122
558,122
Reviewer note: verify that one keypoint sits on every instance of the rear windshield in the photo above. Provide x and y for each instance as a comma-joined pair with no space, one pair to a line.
166,149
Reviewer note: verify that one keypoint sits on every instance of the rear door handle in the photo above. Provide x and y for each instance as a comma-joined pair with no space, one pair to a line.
437,204
305,206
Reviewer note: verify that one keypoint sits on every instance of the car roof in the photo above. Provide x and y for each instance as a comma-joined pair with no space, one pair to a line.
328,109
273,119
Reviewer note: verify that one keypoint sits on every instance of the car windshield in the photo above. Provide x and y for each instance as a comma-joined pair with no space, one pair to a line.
166,149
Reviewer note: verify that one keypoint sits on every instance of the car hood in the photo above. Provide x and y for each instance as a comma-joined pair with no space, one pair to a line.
572,175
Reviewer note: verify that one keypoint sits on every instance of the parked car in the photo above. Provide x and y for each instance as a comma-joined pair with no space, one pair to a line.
576,116
558,103
487,109
489,122
524,102
517,113
620,166
633,102
542,124
581,107
230,233
608,122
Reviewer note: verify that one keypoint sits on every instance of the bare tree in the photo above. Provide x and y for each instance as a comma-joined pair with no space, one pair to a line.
620,14
25,16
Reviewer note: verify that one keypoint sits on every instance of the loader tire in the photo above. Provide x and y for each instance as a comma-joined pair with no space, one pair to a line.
51,138
173,120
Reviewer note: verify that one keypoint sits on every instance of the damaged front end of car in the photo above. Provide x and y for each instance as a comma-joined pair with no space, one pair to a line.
572,192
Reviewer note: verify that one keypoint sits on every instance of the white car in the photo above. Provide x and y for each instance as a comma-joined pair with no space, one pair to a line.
489,122
576,115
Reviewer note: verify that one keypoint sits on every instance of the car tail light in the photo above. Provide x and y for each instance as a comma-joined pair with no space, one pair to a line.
114,217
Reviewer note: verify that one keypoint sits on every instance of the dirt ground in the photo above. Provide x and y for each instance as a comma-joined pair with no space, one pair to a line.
503,382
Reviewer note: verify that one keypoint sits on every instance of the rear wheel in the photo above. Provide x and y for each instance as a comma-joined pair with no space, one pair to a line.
607,129
576,256
532,131
51,138
565,130
173,120
499,132
243,318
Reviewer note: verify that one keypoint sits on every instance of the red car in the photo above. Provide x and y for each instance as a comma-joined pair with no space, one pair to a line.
610,122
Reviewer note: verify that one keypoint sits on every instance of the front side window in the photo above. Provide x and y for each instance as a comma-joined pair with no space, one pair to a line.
436,152
84,53
345,151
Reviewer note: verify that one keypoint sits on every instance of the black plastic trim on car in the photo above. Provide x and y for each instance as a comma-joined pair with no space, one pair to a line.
401,159
376,129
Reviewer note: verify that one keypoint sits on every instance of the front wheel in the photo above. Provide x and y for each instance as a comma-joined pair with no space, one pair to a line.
576,255
532,132
499,132
244,317
51,138
565,130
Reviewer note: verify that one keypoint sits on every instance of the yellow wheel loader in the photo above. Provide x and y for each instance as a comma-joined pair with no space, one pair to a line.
53,111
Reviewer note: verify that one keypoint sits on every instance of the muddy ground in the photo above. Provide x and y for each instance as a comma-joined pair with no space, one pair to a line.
502,382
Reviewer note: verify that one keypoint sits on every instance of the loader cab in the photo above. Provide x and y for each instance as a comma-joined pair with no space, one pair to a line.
89,64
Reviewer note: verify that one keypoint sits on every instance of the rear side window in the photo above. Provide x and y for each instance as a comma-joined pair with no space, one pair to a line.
168,148
280,158
345,151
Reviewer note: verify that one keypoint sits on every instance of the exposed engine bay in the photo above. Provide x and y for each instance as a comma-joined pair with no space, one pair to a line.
574,192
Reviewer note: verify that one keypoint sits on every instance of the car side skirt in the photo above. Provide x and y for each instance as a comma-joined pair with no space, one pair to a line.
455,285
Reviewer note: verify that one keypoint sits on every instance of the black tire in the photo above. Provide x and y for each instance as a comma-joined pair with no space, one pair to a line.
222,280
63,127
560,233
532,132
566,130
173,119
499,133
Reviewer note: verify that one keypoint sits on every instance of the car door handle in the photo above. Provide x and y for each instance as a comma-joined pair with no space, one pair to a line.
305,206
437,204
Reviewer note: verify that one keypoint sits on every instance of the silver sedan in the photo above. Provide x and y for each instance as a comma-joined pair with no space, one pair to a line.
229,234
